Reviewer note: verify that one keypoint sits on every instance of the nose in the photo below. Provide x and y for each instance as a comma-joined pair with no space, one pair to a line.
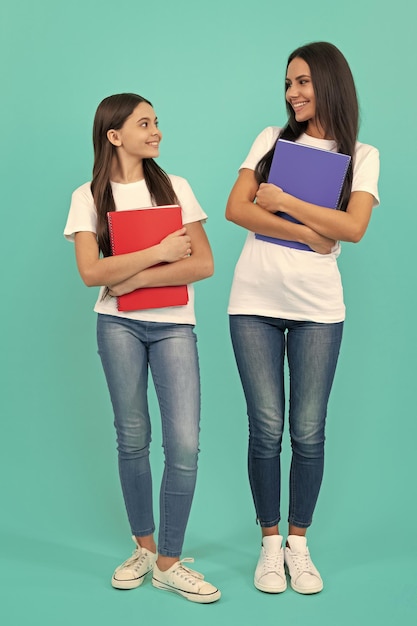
292,91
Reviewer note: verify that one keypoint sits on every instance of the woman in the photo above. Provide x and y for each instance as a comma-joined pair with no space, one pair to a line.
290,300
126,141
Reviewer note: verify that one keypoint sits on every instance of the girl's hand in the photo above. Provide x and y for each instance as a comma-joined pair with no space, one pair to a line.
318,243
115,291
187,270
270,197
175,246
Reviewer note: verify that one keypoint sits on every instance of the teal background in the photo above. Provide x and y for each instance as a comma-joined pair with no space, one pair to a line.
214,72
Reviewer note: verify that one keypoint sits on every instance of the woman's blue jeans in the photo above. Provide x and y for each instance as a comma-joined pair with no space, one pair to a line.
126,348
259,345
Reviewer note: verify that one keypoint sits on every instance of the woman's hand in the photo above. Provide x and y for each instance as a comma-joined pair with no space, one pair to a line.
273,199
349,225
318,243
175,246
270,197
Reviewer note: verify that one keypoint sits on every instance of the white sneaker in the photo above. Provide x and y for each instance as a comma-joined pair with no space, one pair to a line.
305,578
132,572
188,583
269,574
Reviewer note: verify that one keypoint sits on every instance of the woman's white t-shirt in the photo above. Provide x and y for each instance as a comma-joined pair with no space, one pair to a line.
281,282
83,217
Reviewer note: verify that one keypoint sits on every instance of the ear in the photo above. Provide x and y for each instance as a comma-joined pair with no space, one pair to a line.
113,137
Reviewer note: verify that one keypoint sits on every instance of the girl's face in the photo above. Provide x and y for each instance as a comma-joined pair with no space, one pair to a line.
139,136
300,94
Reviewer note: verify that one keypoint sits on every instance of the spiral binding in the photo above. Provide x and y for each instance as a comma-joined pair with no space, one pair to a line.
111,233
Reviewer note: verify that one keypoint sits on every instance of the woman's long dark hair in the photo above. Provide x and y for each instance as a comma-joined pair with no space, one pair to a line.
112,113
337,107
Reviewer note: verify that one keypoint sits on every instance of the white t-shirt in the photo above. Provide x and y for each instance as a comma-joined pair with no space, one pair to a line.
276,281
83,217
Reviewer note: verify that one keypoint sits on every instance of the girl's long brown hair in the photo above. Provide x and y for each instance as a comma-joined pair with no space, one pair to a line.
336,107
112,113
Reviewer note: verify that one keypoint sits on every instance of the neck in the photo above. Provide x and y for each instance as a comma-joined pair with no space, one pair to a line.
314,129
126,171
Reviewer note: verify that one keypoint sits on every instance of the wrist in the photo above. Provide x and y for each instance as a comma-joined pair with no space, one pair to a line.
304,234
286,203
159,254
140,280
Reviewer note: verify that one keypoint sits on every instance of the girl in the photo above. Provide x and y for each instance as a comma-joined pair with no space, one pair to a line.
286,299
126,140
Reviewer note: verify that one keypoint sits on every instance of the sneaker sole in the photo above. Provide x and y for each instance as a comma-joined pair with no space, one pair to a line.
266,589
133,583
192,597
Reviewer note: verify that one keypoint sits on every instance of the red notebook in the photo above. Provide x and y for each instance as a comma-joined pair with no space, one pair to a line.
138,229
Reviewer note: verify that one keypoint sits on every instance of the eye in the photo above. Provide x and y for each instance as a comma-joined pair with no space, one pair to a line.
287,85
144,124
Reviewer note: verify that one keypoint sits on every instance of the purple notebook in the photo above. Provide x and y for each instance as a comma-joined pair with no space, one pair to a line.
310,174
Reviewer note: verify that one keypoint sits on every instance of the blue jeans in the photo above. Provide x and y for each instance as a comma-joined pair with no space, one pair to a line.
126,348
312,349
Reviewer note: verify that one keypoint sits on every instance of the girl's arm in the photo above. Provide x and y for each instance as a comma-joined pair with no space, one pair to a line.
186,270
344,226
259,219
96,271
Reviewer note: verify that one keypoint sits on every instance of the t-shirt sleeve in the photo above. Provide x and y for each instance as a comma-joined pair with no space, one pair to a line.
191,209
366,171
82,215
262,144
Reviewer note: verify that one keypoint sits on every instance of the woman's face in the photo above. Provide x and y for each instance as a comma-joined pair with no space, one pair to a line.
300,94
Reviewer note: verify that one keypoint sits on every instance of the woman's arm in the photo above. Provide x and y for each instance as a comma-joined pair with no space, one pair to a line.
96,271
186,270
344,226
257,218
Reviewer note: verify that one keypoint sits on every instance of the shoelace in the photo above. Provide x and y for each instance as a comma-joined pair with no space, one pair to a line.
302,562
135,560
186,573
273,562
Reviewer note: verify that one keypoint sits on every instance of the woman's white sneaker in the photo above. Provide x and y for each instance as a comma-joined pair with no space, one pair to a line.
305,578
186,582
269,574
132,572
